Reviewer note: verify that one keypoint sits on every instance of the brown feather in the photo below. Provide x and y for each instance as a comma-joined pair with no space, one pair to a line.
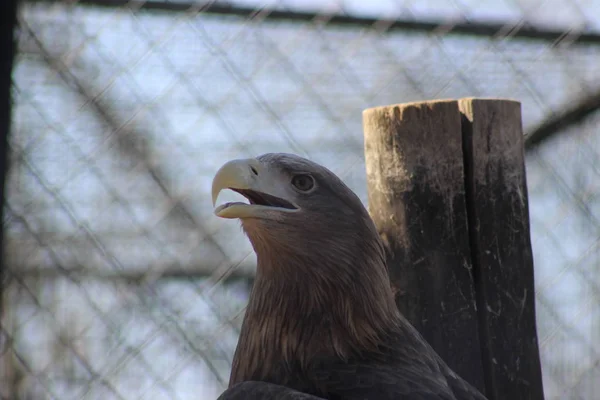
321,288
321,318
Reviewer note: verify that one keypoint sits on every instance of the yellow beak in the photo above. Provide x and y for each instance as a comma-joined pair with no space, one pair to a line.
268,192
236,174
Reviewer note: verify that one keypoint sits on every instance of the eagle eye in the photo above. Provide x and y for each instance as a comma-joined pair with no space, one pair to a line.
303,183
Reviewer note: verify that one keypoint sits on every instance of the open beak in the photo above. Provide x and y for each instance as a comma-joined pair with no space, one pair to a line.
250,178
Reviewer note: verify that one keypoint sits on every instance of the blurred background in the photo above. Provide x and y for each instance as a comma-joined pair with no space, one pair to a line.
121,284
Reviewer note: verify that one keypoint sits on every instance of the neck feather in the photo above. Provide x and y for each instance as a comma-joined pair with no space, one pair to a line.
339,303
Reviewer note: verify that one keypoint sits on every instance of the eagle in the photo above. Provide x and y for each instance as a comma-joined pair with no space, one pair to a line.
321,322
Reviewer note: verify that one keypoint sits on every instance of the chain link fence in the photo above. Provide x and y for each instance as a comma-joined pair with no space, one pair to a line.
120,282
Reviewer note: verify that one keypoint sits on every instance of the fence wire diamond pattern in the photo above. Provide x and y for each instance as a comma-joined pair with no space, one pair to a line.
120,282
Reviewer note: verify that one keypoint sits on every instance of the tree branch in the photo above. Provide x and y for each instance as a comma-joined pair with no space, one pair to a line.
576,114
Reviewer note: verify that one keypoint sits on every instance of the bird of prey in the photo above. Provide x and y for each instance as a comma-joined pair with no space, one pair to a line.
321,322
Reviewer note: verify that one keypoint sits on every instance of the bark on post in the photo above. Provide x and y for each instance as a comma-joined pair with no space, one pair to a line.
417,200
498,212
446,186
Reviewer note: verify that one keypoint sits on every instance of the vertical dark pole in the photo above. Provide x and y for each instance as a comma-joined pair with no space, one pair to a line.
498,212
8,22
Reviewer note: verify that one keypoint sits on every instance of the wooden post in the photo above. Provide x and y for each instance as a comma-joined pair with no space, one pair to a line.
446,187
498,212
417,200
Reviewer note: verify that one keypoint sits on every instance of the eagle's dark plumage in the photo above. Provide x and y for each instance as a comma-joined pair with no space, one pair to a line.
321,322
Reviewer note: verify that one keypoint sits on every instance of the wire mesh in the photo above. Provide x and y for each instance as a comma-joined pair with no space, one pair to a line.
121,284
